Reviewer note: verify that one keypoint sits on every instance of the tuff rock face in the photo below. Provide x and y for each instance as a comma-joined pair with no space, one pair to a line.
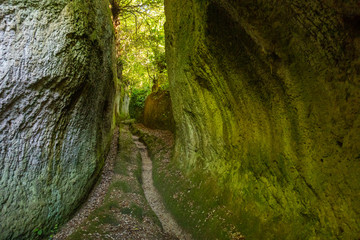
57,78
266,98
158,111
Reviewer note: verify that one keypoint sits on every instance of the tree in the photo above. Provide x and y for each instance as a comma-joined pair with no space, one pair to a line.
141,42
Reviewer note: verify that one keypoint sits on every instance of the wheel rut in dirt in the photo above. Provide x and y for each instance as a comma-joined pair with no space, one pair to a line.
153,197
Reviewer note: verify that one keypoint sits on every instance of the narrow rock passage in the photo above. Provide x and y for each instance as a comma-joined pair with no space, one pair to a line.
153,197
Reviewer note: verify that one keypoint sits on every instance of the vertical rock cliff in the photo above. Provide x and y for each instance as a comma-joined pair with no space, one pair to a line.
57,78
266,98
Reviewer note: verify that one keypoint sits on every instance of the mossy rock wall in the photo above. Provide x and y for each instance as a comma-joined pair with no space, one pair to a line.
266,99
158,111
57,77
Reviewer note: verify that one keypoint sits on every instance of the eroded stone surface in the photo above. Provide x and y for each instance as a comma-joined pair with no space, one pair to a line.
158,111
266,98
56,92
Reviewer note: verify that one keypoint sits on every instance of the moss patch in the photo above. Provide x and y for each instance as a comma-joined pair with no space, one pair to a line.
262,100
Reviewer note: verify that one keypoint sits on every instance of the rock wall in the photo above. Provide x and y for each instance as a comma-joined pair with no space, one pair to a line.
266,98
158,111
57,77
125,105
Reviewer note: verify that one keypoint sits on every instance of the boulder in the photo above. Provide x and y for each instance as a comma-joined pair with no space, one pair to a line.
158,111
57,77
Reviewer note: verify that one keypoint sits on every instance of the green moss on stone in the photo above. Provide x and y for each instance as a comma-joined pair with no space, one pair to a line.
257,90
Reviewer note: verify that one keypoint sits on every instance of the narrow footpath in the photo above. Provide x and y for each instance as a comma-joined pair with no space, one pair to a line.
124,204
153,197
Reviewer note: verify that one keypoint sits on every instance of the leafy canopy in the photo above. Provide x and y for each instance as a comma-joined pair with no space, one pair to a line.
141,42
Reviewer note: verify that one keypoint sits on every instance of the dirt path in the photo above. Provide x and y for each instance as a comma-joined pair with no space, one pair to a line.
117,207
96,197
153,197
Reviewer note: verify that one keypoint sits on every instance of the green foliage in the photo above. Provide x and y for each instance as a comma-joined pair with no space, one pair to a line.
137,103
53,231
38,231
141,41
41,233
139,96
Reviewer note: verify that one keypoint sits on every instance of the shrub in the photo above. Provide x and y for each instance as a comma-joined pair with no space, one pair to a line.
137,103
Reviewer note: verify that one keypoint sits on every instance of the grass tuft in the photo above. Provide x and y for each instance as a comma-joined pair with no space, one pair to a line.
134,210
